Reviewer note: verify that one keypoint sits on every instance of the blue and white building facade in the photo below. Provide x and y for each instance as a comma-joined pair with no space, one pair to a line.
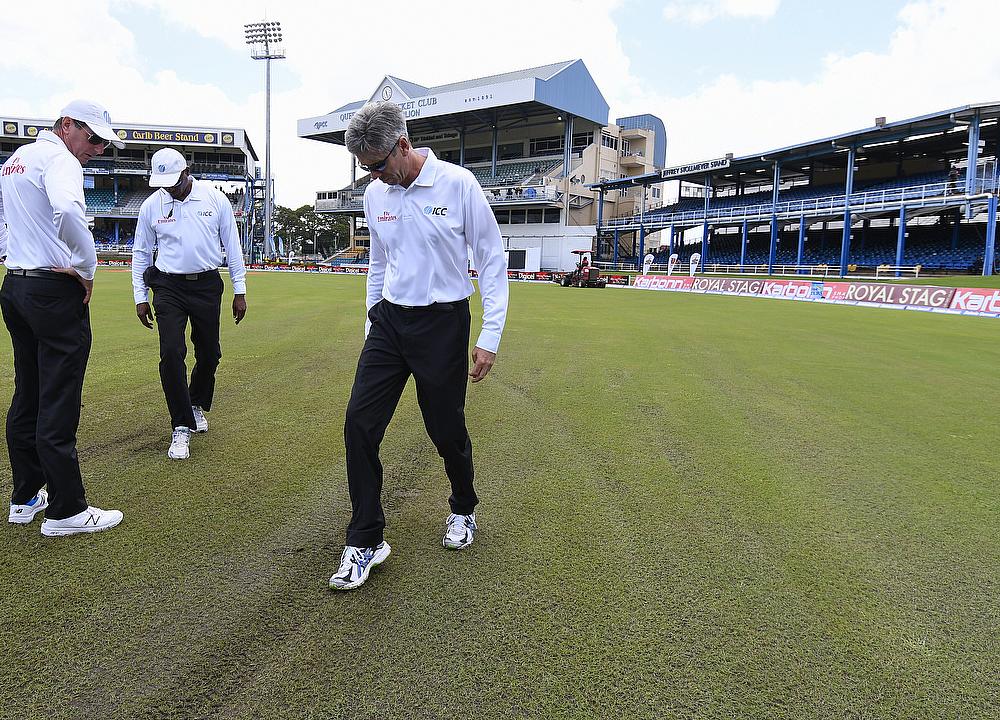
535,139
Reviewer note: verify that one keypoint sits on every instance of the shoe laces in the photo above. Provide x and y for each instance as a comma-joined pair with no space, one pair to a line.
460,523
353,556
179,434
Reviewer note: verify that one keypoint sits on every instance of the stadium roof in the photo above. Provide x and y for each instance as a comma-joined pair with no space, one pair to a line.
27,129
912,137
507,99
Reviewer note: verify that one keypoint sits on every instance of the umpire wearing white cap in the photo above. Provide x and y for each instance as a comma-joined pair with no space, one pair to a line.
188,222
50,258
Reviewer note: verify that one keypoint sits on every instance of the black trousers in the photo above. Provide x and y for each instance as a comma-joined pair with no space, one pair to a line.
50,330
175,301
432,344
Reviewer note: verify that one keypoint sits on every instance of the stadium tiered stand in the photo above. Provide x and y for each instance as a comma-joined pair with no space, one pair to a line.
99,200
512,173
130,202
919,192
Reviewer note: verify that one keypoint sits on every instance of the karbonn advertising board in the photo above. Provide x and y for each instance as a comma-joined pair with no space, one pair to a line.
982,302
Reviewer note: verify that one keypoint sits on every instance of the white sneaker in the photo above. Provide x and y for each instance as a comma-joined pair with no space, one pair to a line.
200,421
461,531
90,520
180,444
24,514
356,563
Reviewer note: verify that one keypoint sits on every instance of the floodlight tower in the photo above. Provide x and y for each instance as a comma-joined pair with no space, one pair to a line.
264,39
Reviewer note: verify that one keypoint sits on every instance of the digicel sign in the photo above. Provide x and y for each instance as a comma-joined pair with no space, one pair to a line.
976,299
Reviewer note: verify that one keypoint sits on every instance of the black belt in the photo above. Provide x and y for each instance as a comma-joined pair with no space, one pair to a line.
191,276
434,307
39,273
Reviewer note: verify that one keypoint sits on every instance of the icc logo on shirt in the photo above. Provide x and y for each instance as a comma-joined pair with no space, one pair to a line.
442,211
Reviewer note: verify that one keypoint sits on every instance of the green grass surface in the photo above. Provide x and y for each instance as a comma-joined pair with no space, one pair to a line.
692,507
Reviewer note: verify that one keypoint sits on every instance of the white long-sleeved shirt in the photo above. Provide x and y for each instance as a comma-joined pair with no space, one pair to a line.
190,235
43,214
420,240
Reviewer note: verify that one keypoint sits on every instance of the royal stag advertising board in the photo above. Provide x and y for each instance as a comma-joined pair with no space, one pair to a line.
964,301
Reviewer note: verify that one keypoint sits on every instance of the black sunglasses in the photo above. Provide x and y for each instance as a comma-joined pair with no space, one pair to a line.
92,138
380,166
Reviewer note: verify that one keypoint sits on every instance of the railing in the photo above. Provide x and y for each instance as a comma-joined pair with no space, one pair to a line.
528,192
617,266
938,193
345,200
898,270
531,192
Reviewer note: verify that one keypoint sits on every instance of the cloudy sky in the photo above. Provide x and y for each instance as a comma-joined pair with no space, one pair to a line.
725,75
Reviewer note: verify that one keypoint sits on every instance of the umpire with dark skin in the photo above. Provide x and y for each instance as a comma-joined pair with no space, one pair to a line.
188,222
180,191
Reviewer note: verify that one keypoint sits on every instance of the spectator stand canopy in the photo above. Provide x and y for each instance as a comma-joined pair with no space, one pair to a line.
518,98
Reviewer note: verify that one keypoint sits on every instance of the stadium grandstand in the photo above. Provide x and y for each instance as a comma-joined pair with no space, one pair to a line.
116,183
535,140
896,198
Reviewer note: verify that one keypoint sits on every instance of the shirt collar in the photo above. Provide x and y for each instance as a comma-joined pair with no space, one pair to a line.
429,171
49,136
427,174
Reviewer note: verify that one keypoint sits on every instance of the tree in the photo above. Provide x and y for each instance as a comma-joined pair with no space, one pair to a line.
305,231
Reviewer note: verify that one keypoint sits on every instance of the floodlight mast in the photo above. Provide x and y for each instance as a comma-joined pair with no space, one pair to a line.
264,39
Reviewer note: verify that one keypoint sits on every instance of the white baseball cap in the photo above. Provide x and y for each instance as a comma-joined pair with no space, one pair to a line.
96,117
166,167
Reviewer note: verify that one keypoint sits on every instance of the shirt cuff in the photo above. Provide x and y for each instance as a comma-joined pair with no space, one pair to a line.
86,272
240,288
488,341
141,297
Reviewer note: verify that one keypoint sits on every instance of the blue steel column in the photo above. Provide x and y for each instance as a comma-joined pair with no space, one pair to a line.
567,144
991,236
600,209
973,156
493,166
671,250
614,252
704,225
743,246
802,241
774,218
115,179
642,248
845,240
901,238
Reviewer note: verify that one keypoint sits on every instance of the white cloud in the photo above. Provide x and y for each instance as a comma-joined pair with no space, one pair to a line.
941,55
699,12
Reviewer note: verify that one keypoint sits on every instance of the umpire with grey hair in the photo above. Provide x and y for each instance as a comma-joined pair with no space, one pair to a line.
424,216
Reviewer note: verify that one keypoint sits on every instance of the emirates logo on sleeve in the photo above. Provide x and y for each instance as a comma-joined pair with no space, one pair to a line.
12,167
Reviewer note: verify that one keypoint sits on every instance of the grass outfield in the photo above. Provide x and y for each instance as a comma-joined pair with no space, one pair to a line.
692,507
